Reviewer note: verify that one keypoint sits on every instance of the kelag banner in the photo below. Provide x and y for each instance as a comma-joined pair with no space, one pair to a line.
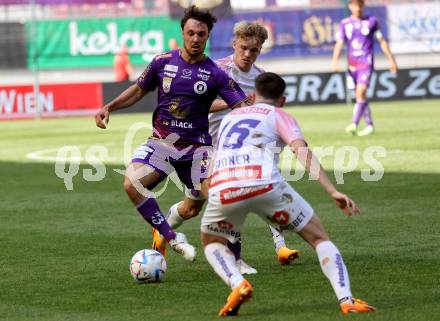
291,33
324,88
94,42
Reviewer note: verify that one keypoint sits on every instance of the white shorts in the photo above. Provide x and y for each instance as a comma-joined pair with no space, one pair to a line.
278,204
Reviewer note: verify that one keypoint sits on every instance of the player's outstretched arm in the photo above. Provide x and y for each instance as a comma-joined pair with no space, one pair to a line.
313,166
220,104
336,54
387,51
126,99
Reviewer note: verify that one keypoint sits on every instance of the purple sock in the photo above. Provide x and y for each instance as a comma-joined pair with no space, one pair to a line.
235,248
358,111
150,211
367,115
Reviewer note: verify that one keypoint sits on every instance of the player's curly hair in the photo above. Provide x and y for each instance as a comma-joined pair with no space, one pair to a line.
198,14
245,29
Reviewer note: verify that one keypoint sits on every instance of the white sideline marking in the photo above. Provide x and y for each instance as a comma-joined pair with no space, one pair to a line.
41,156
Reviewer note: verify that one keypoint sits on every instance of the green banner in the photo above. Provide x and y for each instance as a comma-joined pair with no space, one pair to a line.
94,42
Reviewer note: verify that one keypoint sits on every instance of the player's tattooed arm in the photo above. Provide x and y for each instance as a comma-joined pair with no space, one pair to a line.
127,98
218,105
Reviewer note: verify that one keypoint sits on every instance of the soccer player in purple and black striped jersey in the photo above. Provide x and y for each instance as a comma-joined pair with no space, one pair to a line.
187,82
359,31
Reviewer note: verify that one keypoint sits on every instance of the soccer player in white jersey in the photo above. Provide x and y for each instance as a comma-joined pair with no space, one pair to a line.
245,178
240,66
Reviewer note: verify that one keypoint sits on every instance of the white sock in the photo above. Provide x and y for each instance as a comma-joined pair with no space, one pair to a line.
278,238
173,217
334,269
223,262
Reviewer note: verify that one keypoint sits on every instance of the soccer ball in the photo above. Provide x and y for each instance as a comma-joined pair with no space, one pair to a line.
148,266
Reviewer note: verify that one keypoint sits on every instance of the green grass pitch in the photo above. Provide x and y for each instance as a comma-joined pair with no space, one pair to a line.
64,254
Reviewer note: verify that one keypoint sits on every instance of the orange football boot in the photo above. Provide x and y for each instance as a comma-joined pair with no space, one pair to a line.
286,255
238,296
356,306
159,243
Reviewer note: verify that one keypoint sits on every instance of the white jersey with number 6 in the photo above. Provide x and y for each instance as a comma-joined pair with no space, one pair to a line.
249,143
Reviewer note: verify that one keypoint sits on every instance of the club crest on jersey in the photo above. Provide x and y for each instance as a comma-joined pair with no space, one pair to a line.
200,87
166,84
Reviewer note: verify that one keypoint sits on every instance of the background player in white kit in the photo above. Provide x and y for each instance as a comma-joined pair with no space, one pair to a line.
249,38
245,179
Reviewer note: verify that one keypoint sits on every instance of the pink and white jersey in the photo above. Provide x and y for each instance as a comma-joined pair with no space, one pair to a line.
249,143
245,80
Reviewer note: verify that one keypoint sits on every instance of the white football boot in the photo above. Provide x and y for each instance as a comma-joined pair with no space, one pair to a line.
180,245
245,268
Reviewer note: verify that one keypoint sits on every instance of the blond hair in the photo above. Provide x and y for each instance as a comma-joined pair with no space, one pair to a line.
250,29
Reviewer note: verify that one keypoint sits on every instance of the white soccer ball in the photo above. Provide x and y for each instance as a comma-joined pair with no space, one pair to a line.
148,266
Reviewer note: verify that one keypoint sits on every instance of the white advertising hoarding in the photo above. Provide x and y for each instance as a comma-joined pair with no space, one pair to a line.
414,28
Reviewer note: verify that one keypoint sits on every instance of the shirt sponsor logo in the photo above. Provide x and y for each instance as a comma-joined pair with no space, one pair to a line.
237,194
181,124
172,68
247,172
186,73
200,87
298,219
166,84
203,77
175,111
204,71
251,110
216,229
170,74
177,123
281,217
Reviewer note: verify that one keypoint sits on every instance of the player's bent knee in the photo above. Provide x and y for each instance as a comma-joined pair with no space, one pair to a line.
131,191
314,232
128,186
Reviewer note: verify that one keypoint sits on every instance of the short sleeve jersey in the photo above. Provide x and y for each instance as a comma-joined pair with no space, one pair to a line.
185,94
246,81
359,36
250,141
